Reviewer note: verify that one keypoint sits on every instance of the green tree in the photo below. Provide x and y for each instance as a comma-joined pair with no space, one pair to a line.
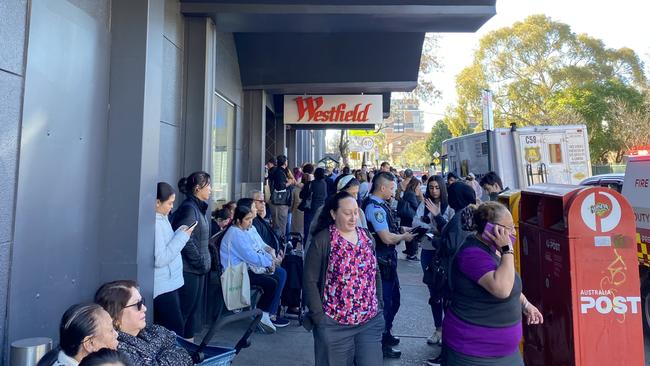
414,155
439,133
532,67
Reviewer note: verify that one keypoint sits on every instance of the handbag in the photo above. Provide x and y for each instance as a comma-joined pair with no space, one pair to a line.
435,273
281,198
305,204
235,285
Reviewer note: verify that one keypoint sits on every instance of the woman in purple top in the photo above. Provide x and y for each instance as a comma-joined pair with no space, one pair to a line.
483,322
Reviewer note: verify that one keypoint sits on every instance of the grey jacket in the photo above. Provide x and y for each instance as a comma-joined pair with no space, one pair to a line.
315,273
154,346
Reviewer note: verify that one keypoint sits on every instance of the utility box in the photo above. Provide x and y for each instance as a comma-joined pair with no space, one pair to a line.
578,256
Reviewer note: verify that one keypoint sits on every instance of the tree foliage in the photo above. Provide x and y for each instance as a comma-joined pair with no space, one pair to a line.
414,155
439,133
539,72
429,63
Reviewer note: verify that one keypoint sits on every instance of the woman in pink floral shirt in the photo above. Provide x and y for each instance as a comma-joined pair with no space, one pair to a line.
343,288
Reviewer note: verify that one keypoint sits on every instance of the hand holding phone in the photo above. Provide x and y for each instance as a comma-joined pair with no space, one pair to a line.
189,230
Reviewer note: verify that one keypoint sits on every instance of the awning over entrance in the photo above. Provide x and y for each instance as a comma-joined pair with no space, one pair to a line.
336,46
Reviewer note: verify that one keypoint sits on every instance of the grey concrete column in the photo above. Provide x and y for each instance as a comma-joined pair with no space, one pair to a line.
133,142
200,59
280,138
13,30
253,140
292,153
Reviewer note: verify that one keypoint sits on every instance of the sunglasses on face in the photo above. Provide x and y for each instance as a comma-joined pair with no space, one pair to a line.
138,304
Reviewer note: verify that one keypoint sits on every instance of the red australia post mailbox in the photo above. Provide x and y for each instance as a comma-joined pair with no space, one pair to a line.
579,265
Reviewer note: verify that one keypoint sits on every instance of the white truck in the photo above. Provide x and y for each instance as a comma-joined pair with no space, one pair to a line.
522,156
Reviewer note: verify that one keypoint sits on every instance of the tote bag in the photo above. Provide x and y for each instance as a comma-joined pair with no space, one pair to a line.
235,285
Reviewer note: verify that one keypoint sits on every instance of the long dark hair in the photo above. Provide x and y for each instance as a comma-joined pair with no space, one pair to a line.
444,198
195,180
244,207
325,219
113,297
104,357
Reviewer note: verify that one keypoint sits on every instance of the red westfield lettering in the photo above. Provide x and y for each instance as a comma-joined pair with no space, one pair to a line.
312,107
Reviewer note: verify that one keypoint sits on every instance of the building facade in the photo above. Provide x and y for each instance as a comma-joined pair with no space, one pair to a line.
100,100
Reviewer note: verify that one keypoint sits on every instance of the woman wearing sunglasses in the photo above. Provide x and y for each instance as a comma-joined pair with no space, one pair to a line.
483,324
140,343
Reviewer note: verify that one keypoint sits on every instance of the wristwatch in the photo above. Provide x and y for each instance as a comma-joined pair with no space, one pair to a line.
507,249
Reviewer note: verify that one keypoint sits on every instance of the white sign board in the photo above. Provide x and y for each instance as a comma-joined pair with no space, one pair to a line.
368,144
350,110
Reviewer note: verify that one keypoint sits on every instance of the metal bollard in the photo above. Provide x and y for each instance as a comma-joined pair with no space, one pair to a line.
28,351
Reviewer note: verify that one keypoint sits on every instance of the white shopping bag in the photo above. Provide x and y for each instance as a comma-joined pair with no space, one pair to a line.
235,285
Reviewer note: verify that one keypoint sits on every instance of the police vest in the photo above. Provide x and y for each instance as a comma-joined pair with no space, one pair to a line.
393,227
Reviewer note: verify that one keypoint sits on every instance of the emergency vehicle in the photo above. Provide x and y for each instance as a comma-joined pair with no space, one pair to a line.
522,156
636,188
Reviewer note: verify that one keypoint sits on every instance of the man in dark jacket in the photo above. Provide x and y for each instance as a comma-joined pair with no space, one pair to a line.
280,181
261,225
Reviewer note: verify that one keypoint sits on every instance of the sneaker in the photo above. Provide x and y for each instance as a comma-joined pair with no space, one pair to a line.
266,324
412,258
280,322
434,361
436,338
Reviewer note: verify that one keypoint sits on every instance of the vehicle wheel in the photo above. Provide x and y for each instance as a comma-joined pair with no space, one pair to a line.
645,305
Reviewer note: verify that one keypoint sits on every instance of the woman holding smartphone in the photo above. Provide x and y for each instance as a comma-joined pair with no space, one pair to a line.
195,254
483,323
168,264
433,213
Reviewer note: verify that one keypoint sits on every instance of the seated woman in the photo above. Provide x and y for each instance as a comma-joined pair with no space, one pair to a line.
105,357
238,246
84,329
140,343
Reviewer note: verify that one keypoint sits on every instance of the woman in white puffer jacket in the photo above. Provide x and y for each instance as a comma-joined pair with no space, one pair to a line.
168,267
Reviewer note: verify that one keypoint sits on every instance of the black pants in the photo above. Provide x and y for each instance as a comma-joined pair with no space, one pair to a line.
411,247
268,284
192,296
167,312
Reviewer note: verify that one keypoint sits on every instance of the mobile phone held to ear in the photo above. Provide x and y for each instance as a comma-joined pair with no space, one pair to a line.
489,228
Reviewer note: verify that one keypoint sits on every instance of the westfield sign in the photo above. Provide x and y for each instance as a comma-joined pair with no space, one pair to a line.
333,109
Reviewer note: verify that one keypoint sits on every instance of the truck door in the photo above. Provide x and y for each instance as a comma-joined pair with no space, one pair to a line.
554,164
532,155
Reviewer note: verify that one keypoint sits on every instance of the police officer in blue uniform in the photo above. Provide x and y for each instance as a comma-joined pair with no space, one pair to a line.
387,233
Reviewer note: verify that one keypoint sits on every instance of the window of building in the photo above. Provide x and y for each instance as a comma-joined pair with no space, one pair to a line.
555,153
223,127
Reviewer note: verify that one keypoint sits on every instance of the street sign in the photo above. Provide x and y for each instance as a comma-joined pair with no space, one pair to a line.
488,113
436,161
367,144
436,155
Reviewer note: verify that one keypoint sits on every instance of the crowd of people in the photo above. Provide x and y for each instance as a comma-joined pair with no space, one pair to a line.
348,224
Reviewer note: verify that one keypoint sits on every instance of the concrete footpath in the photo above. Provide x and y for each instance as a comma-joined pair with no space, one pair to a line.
294,346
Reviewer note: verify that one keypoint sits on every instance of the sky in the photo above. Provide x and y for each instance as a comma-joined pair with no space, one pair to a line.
620,23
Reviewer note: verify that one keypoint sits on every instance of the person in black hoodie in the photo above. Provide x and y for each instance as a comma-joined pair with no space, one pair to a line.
195,254
406,209
316,191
